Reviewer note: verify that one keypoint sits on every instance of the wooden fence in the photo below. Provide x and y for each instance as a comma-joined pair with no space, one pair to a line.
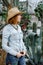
2,57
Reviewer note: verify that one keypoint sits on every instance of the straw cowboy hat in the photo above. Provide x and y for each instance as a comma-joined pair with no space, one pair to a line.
13,12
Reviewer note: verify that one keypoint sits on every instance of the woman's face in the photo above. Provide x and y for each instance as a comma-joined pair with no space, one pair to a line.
18,19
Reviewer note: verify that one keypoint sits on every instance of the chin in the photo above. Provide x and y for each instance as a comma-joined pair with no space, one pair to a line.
18,22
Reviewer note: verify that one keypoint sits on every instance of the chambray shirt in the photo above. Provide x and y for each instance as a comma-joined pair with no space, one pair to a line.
12,40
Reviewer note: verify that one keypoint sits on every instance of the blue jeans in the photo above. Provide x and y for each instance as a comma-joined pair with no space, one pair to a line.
13,60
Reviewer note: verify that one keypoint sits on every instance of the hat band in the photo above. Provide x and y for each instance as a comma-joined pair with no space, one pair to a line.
14,16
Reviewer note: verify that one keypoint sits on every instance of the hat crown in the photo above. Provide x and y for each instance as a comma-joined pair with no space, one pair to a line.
12,12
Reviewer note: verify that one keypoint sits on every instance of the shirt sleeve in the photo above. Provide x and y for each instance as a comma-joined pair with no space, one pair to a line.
23,44
24,47
5,36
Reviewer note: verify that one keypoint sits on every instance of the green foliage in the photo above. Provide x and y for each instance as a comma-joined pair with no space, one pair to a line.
39,10
4,14
25,18
25,21
34,27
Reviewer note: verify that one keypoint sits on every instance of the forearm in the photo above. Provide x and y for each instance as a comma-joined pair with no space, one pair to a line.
9,50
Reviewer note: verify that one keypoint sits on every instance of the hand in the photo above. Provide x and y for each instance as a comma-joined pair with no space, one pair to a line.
23,53
19,55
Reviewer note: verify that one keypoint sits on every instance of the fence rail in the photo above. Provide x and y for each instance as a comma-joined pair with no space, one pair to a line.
2,57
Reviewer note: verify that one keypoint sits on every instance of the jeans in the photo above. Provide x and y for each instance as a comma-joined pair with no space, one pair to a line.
13,60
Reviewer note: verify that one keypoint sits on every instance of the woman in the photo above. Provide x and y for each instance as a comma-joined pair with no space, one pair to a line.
12,39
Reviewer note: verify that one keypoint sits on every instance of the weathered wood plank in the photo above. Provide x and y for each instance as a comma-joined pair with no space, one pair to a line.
2,57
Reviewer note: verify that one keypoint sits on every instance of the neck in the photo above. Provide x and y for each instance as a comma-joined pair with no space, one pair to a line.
15,24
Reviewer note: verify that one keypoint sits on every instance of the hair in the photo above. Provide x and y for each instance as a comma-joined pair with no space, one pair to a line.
13,20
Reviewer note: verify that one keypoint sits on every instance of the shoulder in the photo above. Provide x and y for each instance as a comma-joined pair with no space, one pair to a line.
6,28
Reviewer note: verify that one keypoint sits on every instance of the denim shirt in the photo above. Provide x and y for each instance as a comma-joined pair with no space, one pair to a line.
12,40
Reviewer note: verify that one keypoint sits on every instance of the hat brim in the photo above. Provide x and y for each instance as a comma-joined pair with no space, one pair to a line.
20,13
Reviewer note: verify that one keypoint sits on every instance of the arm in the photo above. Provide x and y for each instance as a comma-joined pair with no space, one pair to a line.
24,47
24,51
5,36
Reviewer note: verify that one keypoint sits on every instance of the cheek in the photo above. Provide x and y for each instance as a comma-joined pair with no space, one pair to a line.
19,18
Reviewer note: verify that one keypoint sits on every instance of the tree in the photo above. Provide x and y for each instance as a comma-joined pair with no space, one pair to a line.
39,10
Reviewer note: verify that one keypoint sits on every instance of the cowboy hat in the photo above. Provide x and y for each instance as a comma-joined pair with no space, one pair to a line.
13,12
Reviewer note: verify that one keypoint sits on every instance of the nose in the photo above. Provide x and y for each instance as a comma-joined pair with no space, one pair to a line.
20,16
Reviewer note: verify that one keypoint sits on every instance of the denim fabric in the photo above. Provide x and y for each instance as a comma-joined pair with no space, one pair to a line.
13,60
